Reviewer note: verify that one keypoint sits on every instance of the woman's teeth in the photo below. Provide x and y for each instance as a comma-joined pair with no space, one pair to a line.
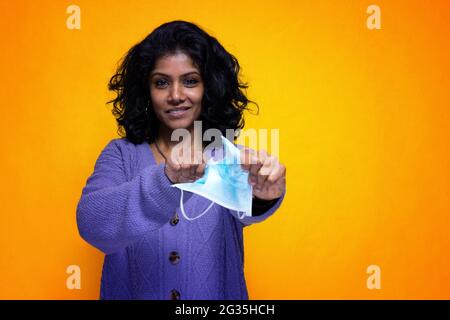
176,112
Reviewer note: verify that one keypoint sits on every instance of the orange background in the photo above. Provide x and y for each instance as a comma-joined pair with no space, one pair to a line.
364,129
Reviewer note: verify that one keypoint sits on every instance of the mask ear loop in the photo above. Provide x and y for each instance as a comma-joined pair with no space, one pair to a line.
241,216
184,213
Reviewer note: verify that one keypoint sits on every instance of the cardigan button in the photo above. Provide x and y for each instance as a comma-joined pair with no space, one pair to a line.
174,257
174,295
174,220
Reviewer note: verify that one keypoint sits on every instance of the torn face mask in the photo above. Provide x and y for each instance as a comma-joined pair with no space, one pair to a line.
224,183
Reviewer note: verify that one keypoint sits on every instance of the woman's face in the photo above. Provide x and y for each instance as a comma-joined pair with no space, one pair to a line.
176,91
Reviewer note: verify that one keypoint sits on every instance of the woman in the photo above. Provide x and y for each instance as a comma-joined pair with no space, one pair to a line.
178,74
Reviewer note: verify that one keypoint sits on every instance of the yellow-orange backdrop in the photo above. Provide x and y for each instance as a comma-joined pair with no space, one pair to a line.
364,127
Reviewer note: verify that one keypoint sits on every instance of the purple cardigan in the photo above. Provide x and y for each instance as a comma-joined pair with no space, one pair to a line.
127,211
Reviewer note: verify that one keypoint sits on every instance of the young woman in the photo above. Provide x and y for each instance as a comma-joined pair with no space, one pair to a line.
177,75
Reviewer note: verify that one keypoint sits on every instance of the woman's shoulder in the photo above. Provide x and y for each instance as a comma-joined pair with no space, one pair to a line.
122,146
126,154
123,143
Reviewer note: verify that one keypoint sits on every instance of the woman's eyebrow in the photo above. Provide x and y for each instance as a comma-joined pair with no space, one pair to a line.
166,75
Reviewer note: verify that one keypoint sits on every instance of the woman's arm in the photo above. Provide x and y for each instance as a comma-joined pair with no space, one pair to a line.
261,212
259,206
268,178
113,213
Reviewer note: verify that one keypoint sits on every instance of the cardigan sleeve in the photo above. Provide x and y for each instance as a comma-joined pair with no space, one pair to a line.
261,216
113,212
260,206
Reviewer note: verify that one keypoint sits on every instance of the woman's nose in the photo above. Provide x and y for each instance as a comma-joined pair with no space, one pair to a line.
176,94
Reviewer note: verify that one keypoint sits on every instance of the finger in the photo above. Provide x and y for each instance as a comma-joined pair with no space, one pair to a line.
280,181
193,169
276,186
200,171
173,163
253,176
277,173
197,153
176,155
185,154
185,171
247,157
255,164
264,172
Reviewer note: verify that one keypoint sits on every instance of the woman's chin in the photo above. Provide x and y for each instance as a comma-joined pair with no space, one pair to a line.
180,124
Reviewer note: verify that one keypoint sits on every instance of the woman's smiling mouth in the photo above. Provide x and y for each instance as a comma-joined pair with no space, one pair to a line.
178,112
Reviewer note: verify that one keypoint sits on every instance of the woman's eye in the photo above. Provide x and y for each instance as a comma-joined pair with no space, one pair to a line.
160,83
191,82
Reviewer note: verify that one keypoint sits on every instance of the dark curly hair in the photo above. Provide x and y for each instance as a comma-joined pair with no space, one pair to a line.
223,100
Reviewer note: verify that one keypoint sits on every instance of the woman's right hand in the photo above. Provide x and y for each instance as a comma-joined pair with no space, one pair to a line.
181,170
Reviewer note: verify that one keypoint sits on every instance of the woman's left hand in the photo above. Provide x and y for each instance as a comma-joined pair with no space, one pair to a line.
266,174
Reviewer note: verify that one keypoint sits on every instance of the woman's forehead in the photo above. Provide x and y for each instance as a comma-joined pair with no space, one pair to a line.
175,61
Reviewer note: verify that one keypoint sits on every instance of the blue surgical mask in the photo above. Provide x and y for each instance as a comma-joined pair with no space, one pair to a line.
224,183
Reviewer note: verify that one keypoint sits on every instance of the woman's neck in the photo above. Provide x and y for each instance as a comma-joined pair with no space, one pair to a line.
165,142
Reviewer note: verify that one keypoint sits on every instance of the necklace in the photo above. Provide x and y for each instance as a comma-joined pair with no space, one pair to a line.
160,152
